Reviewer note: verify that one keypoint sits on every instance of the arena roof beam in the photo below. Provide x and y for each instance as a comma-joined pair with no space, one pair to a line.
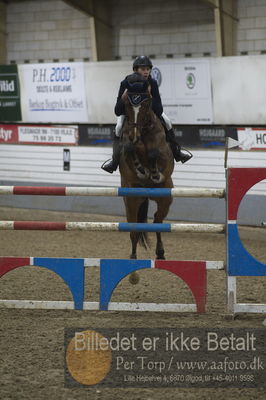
224,25
101,28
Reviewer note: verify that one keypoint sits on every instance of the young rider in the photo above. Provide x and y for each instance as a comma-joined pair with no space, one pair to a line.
143,66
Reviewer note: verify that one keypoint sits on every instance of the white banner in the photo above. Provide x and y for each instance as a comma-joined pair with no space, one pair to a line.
48,134
53,92
185,88
102,81
239,87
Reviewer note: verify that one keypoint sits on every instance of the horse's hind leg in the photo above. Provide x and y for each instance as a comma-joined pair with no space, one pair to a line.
159,247
163,205
134,242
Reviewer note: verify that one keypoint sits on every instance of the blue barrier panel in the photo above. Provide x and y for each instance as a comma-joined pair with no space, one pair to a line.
240,261
111,273
71,271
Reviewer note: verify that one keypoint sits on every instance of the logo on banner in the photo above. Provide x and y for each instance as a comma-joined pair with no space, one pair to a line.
5,135
157,75
190,80
9,93
8,86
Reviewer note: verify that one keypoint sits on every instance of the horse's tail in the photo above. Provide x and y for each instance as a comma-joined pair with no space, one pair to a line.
143,217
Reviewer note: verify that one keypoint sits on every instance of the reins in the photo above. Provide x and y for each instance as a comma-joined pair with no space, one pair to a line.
139,99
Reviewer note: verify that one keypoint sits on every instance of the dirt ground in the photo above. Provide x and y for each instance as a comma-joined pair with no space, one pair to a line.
32,341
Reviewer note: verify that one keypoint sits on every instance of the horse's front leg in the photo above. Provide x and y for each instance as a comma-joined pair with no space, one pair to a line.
163,205
141,172
156,175
132,206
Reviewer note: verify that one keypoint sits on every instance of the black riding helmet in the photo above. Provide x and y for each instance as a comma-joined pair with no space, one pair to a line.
142,61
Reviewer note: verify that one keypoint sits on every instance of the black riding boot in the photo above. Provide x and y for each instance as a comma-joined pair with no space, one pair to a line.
175,147
113,164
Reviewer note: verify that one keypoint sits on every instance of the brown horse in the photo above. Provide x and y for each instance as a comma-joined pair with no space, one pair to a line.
146,161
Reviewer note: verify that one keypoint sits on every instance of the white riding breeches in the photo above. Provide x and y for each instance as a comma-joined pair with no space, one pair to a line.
119,125
167,121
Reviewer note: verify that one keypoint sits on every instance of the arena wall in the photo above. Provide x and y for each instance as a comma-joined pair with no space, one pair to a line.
41,31
52,30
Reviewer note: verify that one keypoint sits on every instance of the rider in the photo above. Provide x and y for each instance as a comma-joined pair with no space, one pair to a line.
143,66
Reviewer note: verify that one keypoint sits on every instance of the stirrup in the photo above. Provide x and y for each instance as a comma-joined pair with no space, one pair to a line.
187,156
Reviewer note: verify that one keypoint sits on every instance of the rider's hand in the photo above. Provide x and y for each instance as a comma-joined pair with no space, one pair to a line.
124,95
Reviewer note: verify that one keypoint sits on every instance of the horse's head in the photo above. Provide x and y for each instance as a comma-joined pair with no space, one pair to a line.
138,103
138,106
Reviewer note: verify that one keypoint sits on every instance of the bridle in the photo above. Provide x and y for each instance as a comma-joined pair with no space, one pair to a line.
136,100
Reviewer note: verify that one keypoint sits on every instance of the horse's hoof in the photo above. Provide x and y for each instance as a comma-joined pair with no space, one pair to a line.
142,173
134,278
160,256
158,178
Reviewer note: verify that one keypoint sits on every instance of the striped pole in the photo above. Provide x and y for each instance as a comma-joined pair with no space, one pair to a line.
110,226
114,192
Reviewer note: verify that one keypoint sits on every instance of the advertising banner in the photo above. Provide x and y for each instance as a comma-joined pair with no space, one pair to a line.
197,136
95,134
9,93
252,138
53,93
185,88
32,134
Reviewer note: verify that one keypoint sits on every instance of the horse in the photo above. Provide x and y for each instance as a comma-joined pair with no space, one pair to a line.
146,160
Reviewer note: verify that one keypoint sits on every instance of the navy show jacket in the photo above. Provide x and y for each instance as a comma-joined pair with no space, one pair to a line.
156,98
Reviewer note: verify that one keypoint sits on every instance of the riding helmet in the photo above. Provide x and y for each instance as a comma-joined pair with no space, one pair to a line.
142,61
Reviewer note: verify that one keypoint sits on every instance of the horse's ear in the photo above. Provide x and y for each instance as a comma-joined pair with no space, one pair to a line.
149,89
